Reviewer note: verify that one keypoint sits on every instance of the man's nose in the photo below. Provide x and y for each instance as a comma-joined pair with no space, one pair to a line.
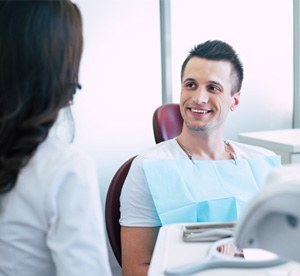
200,96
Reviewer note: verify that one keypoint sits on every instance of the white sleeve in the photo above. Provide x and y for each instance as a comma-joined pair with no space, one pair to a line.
137,206
76,235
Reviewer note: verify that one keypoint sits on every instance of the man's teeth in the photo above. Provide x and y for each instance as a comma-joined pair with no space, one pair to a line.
199,111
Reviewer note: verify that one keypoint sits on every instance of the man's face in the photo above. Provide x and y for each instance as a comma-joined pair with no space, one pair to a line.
206,94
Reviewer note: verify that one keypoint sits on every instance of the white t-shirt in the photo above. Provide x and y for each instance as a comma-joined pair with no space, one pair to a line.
137,206
51,223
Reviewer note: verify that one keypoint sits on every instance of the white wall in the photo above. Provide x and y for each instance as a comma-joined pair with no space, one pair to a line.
120,76
261,31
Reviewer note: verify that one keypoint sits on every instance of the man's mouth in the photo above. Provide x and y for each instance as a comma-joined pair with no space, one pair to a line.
200,111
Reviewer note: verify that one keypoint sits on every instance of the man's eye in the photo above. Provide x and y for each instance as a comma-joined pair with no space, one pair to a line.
190,85
214,89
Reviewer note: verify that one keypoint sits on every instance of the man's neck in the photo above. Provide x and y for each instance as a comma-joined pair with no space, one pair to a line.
203,145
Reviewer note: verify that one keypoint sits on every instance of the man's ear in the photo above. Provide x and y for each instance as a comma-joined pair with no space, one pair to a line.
235,100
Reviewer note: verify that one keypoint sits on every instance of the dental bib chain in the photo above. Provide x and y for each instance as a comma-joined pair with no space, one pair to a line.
185,150
226,147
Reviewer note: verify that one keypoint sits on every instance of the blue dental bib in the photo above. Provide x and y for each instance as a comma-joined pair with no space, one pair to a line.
205,190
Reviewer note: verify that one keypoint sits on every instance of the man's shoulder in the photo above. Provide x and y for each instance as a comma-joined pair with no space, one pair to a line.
163,149
245,150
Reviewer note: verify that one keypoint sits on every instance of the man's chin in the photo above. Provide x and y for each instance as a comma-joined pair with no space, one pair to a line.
196,127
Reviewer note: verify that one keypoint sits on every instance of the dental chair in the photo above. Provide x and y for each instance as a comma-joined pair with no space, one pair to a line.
167,122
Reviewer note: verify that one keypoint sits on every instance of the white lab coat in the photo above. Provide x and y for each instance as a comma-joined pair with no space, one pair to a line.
51,223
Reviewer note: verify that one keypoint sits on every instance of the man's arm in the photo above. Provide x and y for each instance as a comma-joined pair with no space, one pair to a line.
137,248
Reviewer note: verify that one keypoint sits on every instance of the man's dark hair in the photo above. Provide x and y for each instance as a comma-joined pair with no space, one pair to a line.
219,51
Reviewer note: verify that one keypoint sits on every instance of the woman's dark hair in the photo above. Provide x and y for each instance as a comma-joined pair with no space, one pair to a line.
219,50
40,46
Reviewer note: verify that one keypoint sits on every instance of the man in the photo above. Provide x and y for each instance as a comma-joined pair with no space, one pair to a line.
199,176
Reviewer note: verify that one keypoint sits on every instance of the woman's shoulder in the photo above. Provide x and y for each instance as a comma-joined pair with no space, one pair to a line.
58,148
56,155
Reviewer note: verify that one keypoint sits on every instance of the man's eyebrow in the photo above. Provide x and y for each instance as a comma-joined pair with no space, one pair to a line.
189,79
215,82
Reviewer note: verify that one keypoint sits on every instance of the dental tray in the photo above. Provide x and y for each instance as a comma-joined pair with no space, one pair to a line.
207,232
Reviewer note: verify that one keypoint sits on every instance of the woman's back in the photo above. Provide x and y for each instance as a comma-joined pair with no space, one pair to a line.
50,223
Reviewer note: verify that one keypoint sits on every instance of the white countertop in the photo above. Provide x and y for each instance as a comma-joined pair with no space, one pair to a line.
284,139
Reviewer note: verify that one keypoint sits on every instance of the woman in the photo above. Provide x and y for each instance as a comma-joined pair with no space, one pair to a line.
50,213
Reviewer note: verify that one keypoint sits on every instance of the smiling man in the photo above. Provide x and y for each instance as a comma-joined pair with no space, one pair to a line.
198,176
